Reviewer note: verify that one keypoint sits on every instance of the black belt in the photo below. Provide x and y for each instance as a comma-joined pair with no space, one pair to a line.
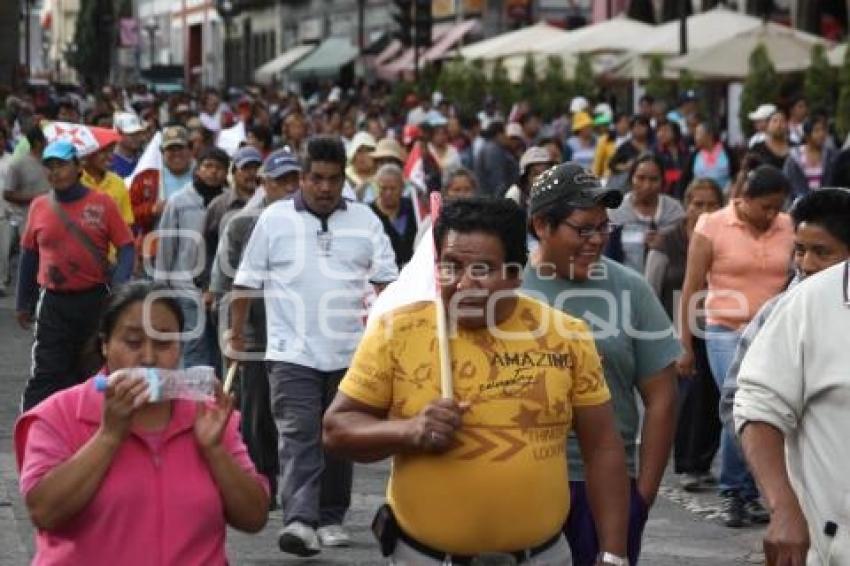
101,288
461,559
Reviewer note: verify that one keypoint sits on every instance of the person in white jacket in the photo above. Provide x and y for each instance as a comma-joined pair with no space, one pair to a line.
791,414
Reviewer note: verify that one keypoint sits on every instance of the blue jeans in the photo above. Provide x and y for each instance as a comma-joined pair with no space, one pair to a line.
735,479
201,350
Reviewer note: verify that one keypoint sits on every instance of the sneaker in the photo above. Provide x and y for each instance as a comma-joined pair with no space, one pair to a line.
299,539
690,482
733,515
333,536
756,512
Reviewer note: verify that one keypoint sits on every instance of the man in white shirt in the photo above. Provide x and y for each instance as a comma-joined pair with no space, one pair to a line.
791,413
314,257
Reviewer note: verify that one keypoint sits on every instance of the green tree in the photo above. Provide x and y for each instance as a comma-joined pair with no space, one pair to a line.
584,83
554,90
761,85
500,85
94,39
819,83
842,112
656,85
529,87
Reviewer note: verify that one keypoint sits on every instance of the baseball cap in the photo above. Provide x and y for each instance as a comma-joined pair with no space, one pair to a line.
245,155
174,136
361,140
763,112
533,155
127,123
579,104
435,119
388,148
279,163
573,185
62,150
581,120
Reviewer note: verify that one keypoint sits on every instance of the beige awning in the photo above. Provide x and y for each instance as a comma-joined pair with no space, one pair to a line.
266,73
523,40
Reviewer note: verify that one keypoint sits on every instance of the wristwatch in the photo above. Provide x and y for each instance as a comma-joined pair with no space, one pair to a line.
610,559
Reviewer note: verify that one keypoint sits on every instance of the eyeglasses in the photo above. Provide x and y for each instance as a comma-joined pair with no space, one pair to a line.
587,232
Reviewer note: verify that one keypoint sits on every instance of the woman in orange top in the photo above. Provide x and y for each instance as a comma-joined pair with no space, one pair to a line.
743,252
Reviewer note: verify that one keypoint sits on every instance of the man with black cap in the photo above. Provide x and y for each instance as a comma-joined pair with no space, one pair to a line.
633,334
181,253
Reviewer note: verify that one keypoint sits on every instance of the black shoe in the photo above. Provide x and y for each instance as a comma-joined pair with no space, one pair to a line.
756,512
733,515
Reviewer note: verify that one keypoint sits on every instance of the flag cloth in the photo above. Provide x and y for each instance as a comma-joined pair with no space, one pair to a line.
87,139
151,159
230,139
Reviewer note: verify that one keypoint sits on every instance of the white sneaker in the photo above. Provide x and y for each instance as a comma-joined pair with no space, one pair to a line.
299,539
333,536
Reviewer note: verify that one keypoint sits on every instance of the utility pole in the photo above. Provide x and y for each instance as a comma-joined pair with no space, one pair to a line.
683,26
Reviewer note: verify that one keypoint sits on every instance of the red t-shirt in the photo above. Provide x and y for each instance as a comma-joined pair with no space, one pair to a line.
64,264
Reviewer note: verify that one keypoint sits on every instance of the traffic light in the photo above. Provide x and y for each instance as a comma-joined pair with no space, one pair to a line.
423,22
402,13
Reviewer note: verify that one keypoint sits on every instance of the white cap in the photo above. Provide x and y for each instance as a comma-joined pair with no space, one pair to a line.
361,139
127,123
763,112
579,104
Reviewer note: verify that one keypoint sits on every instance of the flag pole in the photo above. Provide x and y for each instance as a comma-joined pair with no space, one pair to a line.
446,381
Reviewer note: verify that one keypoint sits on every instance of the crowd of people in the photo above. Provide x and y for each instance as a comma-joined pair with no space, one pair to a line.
619,287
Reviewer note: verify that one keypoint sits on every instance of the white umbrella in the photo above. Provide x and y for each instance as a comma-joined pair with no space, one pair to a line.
789,50
523,40
704,30
617,34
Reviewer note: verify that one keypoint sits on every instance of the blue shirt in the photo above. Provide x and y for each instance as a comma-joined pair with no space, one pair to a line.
122,166
172,183
633,335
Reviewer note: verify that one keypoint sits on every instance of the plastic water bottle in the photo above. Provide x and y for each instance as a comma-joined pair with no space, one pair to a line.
192,384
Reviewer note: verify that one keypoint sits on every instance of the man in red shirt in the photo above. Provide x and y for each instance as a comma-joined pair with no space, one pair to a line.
64,251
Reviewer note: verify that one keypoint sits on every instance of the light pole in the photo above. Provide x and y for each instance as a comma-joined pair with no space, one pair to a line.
151,30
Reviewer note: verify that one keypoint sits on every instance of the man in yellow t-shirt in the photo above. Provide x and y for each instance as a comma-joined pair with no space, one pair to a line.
98,177
485,471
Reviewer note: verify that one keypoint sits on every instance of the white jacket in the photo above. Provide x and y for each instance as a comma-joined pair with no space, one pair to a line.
796,377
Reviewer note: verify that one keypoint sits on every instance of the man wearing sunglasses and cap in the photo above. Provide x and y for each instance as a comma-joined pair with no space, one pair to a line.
634,336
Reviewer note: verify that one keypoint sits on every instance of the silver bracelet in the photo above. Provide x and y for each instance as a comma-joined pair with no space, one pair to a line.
612,559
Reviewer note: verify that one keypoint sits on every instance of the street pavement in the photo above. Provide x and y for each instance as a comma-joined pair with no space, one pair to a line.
682,528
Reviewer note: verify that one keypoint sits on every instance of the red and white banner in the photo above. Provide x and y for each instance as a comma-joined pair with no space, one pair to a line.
87,139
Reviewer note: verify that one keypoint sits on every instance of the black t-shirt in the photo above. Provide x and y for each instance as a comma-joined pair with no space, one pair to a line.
767,156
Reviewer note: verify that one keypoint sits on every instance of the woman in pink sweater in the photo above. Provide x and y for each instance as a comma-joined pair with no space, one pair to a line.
110,478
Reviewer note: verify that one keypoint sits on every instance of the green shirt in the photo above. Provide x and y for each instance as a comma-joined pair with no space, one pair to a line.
633,335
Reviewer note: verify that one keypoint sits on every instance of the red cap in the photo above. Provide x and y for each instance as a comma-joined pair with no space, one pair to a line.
410,134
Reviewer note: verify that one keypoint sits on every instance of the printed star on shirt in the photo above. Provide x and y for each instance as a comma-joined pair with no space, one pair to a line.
526,418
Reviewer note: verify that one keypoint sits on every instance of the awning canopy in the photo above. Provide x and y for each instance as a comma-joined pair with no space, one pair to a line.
326,60
614,35
704,30
445,38
836,55
266,72
523,40
789,50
